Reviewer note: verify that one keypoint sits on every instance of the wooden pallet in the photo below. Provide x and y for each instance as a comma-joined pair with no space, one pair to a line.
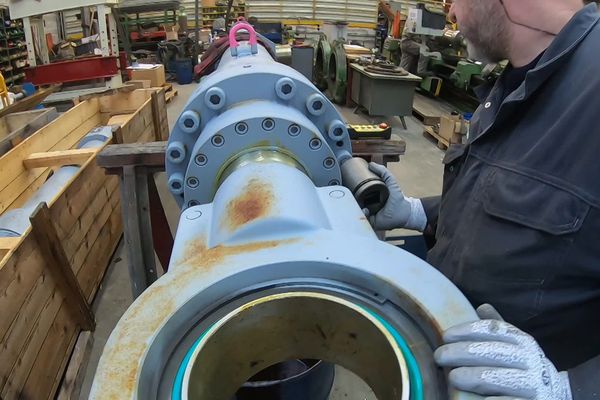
170,92
442,143
45,284
429,110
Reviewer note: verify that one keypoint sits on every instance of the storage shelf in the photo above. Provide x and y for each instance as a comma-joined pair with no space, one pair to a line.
14,57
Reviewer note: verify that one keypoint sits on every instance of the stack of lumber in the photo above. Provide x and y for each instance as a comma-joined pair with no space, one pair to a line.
46,285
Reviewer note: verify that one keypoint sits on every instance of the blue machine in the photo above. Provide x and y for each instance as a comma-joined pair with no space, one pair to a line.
274,259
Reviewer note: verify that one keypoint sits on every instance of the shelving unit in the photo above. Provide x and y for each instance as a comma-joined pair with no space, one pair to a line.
13,49
209,14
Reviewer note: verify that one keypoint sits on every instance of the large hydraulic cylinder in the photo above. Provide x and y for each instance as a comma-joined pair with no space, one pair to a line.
273,257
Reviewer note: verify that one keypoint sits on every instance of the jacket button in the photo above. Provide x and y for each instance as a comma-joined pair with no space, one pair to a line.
451,169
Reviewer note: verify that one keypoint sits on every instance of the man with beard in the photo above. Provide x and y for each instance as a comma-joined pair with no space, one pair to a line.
517,225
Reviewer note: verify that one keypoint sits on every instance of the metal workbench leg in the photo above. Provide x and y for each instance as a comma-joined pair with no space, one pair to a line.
403,123
137,228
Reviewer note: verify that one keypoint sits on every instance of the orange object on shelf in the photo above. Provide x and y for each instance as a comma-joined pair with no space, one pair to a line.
396,26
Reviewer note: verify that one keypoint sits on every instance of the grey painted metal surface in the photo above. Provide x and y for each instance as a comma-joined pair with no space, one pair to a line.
265,231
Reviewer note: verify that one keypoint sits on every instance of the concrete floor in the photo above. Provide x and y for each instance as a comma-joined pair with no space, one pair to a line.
419,173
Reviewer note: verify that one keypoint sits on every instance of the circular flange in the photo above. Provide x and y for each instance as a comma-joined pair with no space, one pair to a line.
268,126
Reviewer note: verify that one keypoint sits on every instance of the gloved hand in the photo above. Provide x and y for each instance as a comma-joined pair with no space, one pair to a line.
494,358
399,211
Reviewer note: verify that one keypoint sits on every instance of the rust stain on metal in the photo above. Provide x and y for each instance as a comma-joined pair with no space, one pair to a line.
255,201
124,353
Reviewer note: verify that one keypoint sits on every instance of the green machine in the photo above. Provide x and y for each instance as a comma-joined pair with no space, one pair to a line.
465,74
391,50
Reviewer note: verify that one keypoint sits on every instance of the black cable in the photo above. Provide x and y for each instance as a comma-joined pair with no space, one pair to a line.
524,25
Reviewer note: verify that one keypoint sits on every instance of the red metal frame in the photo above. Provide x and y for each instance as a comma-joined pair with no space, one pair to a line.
137,36
73,70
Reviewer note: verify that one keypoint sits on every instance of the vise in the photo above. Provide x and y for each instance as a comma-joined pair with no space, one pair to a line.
274,258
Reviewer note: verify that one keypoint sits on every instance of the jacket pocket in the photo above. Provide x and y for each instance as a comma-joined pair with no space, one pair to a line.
532,203
516,242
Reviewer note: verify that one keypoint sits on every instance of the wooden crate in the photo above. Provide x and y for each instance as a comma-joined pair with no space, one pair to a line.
16,127
38,328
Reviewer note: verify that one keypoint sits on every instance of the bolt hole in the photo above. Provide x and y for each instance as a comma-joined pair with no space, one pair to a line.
188,123
315,143
340,143
192,182
218,140
176,185
329,163
268,124
317,105
241,128
286,89
334,182
175,154
215,99
201,159
193,203
338,132
294,130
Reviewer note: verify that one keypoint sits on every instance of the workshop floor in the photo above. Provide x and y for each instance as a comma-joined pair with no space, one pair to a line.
419,173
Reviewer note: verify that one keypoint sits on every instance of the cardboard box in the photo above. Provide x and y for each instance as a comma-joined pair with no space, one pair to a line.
155,73
451,128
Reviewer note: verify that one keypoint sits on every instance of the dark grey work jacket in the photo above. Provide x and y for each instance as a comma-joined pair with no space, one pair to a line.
518,222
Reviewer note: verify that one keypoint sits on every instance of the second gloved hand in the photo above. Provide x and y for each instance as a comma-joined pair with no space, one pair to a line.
495,359
399,211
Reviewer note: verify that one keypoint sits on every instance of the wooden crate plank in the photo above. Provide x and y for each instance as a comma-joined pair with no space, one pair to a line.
67,208
55,348
120,119
44,139
58,158
59,266
82,252
16,283
25,177
31,189
29,102
71,384
73,239
21,368
99,256
138,123
124,103
15,339
8,243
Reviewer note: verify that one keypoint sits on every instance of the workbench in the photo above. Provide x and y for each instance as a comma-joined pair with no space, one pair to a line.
383,95
145,225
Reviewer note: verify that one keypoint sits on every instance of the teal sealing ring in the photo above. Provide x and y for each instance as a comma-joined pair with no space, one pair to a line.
414,373
178,384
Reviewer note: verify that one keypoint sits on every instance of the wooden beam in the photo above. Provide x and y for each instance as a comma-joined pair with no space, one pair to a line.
8,243
58,158
75,373
29,102
57,262
152,154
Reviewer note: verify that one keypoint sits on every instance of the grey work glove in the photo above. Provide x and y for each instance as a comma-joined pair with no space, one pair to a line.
493,358
399,211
